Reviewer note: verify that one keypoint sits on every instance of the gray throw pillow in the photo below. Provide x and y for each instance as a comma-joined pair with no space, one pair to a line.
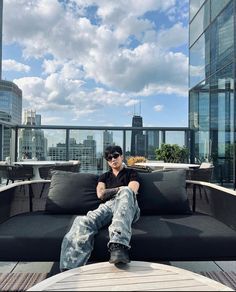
72,193
163,192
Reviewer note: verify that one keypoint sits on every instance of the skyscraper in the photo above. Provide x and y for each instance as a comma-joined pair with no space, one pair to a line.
11,101
138,141
212,77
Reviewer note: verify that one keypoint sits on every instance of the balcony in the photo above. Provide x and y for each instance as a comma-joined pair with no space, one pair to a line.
22,274
86,144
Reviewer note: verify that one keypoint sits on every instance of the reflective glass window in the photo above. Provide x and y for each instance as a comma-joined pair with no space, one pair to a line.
204,124
194,6
222,107
222,39
199,60
193,109
217,6
199,23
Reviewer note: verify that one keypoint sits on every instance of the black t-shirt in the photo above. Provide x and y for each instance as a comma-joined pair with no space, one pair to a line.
124,177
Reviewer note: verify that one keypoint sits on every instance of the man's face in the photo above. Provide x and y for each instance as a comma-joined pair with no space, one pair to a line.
115,160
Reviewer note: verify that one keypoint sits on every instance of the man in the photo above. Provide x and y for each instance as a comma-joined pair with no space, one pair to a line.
117,188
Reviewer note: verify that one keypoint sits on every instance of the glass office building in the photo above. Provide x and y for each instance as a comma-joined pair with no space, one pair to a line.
11,101
10,111
211,84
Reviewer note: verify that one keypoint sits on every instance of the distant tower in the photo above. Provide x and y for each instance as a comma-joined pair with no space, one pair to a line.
137,137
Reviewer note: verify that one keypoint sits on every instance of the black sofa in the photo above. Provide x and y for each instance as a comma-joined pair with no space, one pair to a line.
35,215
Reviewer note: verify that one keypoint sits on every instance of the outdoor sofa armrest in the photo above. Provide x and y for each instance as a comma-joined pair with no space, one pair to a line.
21,197
214,200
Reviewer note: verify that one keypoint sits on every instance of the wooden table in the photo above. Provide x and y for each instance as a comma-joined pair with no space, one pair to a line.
135,276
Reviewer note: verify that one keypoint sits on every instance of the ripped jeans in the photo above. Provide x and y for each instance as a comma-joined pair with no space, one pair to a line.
121,212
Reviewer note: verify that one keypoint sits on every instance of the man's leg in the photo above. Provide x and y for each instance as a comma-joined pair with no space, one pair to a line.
77,244
125,212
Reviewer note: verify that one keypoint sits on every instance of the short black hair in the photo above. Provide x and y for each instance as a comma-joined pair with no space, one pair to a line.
111,150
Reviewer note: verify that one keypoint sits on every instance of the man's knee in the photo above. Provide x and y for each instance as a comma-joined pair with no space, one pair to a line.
86,221
125,193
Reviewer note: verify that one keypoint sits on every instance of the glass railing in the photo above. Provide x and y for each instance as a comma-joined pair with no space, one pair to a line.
85,144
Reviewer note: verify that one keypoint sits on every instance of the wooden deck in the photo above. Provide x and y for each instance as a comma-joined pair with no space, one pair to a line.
34,272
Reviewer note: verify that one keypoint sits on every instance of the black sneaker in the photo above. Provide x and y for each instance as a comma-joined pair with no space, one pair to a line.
119,254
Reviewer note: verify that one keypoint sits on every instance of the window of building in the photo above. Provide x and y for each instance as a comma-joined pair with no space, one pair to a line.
222,39
194,6
217,6
199,23
199,60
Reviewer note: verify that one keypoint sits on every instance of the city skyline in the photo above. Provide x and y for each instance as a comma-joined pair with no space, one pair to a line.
96,62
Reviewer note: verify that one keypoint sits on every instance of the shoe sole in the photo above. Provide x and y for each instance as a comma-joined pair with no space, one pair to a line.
124,261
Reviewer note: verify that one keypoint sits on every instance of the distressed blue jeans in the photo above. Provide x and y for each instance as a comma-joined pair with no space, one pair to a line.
120,212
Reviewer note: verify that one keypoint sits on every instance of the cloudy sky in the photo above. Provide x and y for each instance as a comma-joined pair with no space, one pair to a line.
97,62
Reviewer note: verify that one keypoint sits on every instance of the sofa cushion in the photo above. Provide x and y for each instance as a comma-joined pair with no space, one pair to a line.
176,238
163,192
38,236
72,193
35,236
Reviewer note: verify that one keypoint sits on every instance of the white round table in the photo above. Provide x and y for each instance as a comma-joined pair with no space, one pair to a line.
135,276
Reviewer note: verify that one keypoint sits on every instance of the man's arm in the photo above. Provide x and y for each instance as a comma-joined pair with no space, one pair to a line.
100,190
105,194
134,186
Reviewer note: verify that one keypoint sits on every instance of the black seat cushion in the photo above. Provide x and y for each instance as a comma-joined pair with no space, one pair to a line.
72,193
163,192
176,237
37,237
33,236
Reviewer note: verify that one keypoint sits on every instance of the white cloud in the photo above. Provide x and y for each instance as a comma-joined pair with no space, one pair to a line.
56,94
131,102
89,64
175,36
12,65
158,108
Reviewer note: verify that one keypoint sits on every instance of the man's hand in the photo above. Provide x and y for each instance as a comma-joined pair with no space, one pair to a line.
109,194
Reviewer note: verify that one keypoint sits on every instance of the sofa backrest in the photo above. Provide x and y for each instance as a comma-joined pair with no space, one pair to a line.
159,193
163,192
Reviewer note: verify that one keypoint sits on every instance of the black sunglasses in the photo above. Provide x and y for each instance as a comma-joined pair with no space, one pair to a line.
113,155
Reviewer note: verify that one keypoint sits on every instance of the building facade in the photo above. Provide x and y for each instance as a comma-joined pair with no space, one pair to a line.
11,101
84,152
32,143
211,84
10,111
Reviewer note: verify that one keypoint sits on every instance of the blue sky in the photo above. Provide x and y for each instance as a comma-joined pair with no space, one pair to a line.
93,62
